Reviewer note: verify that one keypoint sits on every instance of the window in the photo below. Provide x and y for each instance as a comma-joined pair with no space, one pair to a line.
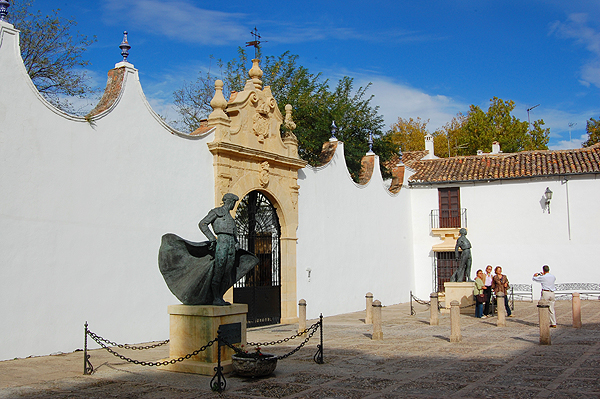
449,201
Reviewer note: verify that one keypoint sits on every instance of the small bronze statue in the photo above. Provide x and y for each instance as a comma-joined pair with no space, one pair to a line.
463,272
200,273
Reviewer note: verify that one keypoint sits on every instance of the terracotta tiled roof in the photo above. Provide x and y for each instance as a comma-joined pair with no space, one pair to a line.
202,129
397,169
506,166
327,152
114,84
367,165
413,155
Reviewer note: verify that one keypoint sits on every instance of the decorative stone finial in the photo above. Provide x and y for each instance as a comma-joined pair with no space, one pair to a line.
256,73
370,144
4,4
288,122
218,103
125,47
334,130
400,156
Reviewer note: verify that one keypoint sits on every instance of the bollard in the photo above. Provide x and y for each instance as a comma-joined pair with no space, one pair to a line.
501,309
369,317
544,314
433,309
377,333
301,315
455,335
576,306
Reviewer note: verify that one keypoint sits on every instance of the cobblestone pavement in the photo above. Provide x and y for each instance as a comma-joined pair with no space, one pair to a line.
414,360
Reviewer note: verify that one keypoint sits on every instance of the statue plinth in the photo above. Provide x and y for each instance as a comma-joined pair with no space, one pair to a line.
461,292
193,326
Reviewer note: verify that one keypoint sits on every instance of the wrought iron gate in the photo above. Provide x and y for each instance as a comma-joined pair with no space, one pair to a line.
258,232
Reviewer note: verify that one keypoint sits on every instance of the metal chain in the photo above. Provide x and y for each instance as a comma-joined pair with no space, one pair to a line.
313,329
284,339
126,346
428,303
142,363
422,302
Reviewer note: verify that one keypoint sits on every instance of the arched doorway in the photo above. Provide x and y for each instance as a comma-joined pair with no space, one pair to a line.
259,232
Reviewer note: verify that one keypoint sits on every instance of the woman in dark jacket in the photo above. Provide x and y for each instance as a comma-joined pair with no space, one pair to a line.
500,284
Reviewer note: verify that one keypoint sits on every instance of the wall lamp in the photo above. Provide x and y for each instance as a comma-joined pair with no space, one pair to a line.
548,195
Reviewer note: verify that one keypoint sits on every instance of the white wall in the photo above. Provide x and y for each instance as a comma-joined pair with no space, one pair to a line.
82,211
508,226
83,207
355,239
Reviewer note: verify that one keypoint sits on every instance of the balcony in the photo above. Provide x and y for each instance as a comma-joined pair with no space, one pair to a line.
448,218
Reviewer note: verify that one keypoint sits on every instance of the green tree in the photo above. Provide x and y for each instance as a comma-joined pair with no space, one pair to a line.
481,128
52,53
314,103
593,130
445,139
409,134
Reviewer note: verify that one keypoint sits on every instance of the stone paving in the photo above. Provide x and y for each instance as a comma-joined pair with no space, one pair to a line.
414,360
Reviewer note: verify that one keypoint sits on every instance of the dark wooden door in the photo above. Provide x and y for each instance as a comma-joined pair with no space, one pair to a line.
259,232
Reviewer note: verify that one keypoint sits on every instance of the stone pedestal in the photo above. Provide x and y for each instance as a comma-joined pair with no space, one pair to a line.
461,292
377,331
191,327
544,317
455,334
433,309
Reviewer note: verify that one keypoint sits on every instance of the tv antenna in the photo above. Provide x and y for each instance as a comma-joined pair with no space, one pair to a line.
529,109
256,42
571,124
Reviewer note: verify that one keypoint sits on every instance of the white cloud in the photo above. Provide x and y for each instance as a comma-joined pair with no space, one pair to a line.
398,100
292,32
575,142
578,27
178,19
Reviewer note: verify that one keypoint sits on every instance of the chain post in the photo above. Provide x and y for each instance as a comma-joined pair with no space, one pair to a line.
412,310
221,383
318,358
88,369
512,298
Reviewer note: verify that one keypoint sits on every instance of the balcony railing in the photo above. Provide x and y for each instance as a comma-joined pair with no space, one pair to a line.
448,218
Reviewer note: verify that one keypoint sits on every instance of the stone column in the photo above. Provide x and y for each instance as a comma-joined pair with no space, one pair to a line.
455,335
369,316
501,309
433,309
544,314
377,333
576,306
301,315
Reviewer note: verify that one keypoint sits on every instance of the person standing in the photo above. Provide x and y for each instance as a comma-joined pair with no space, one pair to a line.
500,284
547,280
478,293
487,289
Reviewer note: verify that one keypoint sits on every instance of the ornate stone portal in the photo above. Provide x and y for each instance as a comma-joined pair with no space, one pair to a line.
250,153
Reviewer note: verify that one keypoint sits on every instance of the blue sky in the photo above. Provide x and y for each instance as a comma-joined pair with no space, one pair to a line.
427,59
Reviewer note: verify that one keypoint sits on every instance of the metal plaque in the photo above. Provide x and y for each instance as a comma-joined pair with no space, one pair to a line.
231,333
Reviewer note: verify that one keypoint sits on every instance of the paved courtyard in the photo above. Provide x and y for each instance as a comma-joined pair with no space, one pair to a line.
414,360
